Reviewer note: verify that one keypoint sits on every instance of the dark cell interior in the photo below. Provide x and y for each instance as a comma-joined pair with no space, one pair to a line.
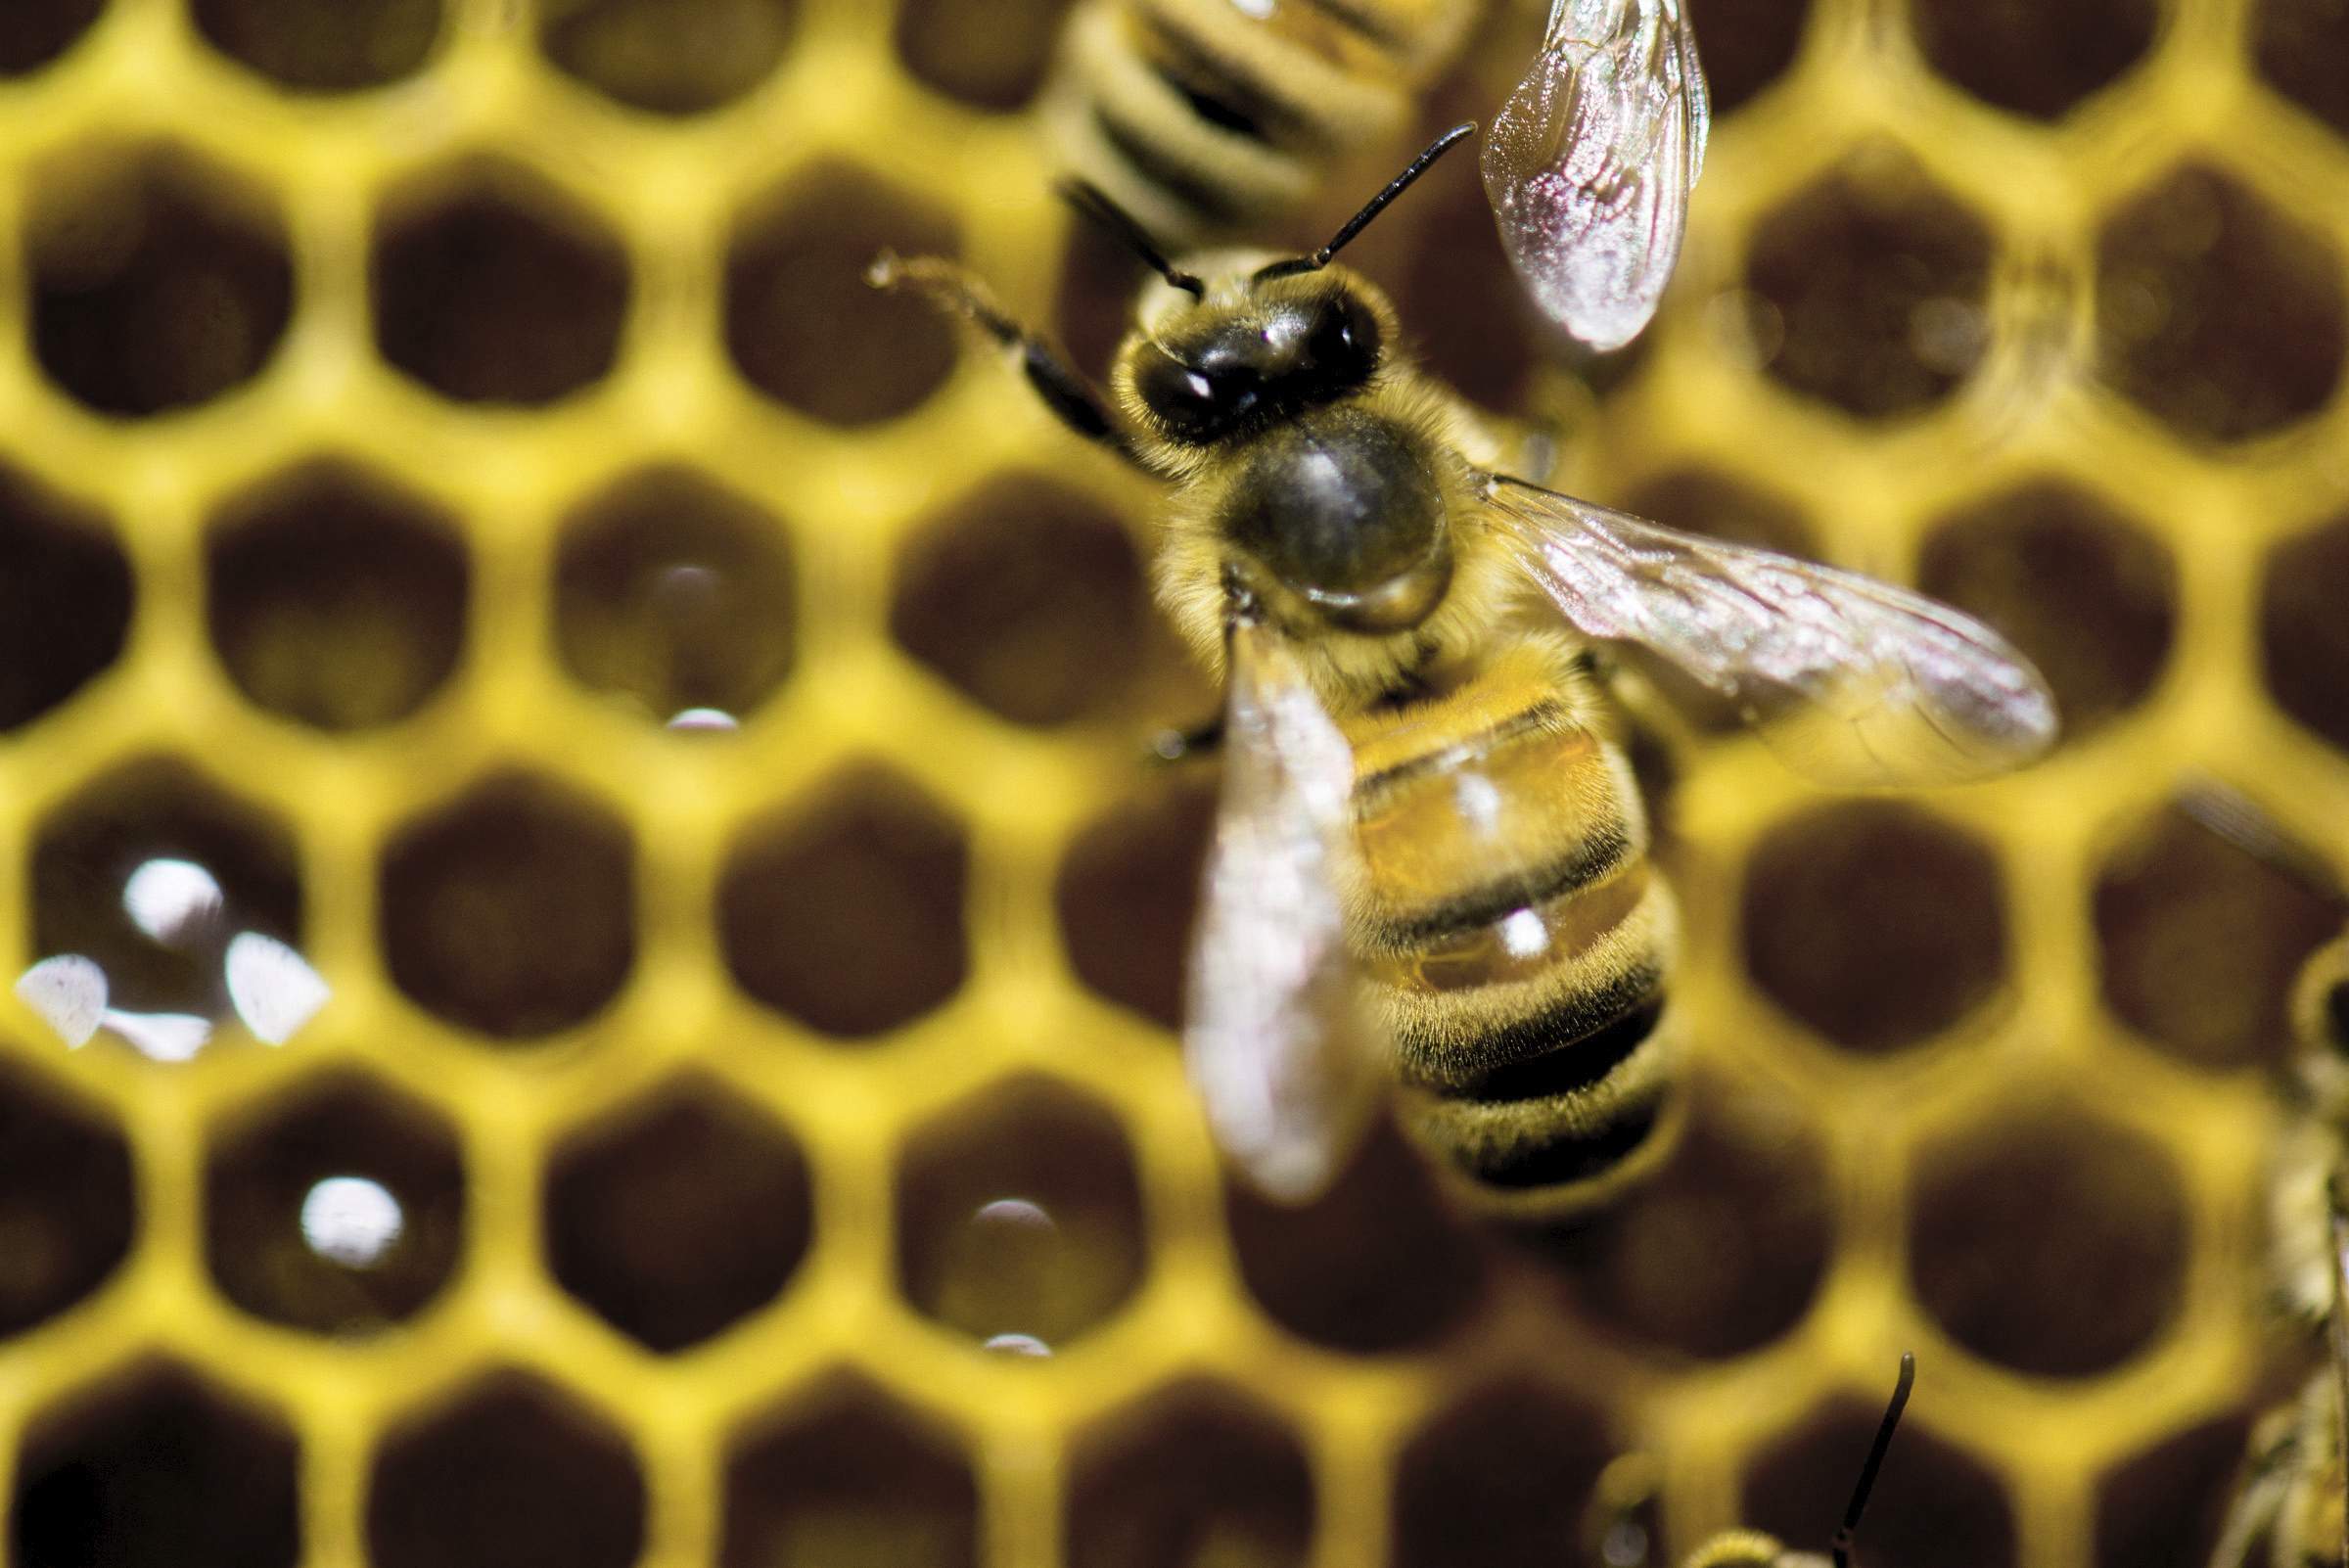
2031,57
84,854
1028,599
1129,887
510,910
991,57
846,912
1877,279
1874,923
512,1473
489,285
2087,594
334,598
1725,1250
1934,1505
324,46
1500,1480
679,1216
66,1209
2048,1240
1020,1213
1746,44
670,57
802,324
2303,636
846,1476
1381,1261
1718,505
2164,1508
675,594
36,32
65,596
2217,311
261,1170
1092,307
2198,941
158,282
156,1468
1195,1475
2298,46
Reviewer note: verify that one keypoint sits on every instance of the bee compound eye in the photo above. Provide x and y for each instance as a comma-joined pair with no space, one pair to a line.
1344,343
1193,402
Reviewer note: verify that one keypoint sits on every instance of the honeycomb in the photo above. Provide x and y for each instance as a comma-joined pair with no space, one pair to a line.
456,492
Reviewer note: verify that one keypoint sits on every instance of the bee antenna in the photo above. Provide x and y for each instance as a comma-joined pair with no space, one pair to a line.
1091,201
1373,207
2226,811
1842,1546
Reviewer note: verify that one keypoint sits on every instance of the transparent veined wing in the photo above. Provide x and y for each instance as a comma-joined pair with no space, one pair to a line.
1851,680
1274,1037
1590,163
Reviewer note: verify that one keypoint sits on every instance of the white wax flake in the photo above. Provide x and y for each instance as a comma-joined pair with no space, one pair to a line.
1027,1345
170,900
1016,1214
1524,936
701,720
1478,801
273,987
1260,10
351,1220
161,1037
68,993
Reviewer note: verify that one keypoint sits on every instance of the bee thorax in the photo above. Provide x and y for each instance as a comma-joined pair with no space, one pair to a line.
1345,510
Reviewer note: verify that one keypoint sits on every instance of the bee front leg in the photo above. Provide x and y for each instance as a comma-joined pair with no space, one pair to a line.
957,293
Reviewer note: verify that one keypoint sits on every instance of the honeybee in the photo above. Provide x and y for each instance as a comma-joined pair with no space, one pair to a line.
1430,861
1202,118
2292,1510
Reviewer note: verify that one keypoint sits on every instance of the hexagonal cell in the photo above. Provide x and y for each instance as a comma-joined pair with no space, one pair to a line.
845,910
1379,1262
1500,1480
158,280
1724,1251
490,285
2082,590
338,1207
2048,1239
1935,1505
994,59
1027,598
67,1210
151,872
1878,279
1128,891
1020,1216
2199,940
2164,1507
36,32
1723,506
668,57
2303,644
1194,1474
679,1216
801,323
66,594
156,1468
2217,312
2297,44
1747,45
334,597
323,46
565,1494
510,910
675,593
847,1475
2029,59
1874,923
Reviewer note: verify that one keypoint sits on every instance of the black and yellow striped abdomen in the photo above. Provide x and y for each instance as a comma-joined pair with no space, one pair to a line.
1514,934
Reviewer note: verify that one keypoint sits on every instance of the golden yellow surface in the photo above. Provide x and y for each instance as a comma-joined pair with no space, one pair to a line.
501,380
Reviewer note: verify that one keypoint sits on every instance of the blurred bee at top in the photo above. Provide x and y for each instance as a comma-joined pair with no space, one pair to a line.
2292,1510
1205,118
1425,787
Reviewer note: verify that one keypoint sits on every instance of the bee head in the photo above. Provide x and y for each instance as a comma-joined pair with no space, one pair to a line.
1248,354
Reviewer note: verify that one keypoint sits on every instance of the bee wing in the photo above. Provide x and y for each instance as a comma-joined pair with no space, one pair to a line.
1851,680
1590,163
1275,1038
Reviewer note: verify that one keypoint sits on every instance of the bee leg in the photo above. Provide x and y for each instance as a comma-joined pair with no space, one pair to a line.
957,293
